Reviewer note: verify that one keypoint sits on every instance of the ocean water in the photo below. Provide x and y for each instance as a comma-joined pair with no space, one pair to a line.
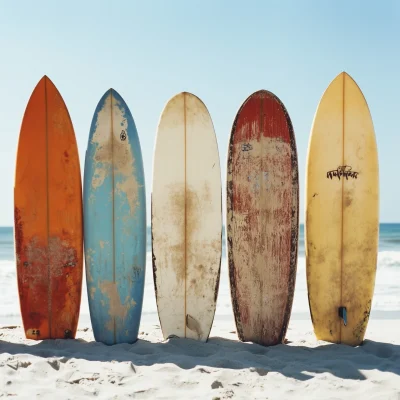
386,301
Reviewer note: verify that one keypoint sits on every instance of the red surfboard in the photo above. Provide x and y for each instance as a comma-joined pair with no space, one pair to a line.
48,218
262,218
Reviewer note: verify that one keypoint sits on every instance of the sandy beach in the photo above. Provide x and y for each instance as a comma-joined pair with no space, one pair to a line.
271,113
222,368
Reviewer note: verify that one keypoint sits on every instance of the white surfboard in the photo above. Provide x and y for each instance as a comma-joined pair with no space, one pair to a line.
186,218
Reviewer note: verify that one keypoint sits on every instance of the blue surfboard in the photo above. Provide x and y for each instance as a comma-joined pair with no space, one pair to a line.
114,222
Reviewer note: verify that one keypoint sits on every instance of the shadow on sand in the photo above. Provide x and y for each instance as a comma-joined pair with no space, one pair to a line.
297,362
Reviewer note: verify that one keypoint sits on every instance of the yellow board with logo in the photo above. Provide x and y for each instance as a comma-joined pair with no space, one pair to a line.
342,214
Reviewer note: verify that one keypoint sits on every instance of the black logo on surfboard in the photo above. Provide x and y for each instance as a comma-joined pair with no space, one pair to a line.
345,171
122,136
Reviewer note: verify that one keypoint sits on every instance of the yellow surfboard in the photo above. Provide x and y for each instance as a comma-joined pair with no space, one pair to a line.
342,214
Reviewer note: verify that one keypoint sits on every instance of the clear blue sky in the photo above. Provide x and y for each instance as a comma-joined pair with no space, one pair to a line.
222,51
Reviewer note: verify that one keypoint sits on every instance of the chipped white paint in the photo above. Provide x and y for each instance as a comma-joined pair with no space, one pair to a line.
262,218
112,155
186,218
124,160
117,308
115,222
261,234
103,140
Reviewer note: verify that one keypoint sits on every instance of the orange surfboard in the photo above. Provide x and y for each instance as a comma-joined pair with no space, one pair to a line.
48,217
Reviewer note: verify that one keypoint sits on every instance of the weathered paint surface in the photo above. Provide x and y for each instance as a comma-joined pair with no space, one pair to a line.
342,221
115,222
262,218
48,217
186,219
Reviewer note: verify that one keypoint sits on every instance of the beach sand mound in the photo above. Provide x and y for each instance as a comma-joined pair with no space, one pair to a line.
222,368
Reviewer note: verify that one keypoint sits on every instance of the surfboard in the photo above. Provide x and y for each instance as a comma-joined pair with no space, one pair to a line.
48,217
114,222
262,218
186,219
342,207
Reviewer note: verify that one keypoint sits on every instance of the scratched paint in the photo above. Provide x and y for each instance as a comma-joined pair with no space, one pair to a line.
102,140
262,218
186,219
48,218
115,222
117,308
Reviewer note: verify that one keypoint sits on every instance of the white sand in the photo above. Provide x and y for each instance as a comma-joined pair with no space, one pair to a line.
223,368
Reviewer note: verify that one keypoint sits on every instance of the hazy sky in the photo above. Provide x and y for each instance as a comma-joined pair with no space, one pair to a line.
222,51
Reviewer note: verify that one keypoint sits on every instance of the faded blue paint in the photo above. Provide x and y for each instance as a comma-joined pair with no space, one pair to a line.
114,226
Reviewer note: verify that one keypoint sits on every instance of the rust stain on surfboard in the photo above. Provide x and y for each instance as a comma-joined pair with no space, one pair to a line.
48,217
262,218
